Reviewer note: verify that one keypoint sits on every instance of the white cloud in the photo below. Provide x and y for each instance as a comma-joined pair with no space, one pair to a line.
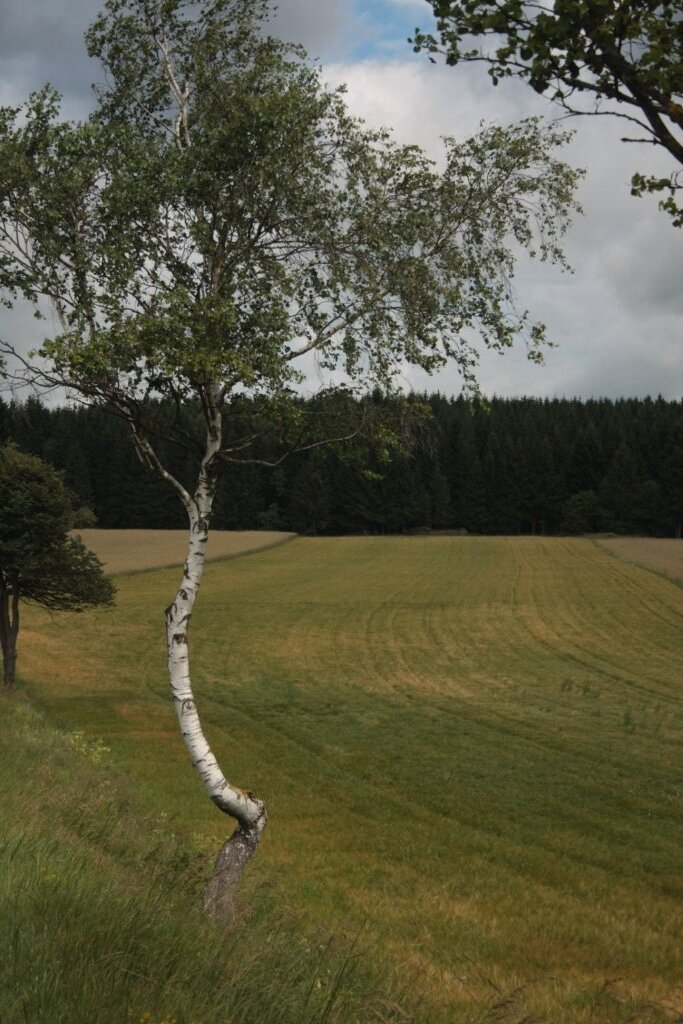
423,101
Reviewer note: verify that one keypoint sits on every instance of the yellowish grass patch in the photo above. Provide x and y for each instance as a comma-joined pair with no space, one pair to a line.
661,554
124,551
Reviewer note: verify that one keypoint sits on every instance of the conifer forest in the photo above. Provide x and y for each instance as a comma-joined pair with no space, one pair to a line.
497,466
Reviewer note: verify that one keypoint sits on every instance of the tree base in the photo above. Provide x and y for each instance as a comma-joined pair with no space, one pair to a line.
220,897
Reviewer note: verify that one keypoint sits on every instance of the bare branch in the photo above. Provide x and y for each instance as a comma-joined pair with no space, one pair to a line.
292,451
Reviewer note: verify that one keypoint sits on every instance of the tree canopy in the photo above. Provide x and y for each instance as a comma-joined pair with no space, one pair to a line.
39,561
221,215
581,55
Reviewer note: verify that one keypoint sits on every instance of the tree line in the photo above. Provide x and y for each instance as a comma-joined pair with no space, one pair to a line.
498,466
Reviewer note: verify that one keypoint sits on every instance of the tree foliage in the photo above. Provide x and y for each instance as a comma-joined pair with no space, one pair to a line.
581,54
221,215
39,561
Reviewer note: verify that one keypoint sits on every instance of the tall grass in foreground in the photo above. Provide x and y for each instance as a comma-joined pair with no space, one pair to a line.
99,918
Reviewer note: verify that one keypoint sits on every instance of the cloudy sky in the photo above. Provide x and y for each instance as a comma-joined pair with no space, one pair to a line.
616,320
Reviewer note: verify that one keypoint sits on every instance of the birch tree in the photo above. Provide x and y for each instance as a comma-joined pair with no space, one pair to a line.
219,225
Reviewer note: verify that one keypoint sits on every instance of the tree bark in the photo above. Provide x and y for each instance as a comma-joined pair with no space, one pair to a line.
220,897
9,629
9,665
245,807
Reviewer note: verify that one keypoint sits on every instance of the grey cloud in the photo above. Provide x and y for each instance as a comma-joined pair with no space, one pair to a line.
322,27
44,27
42,41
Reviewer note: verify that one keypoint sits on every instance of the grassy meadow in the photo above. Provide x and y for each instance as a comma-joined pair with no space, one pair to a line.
470,752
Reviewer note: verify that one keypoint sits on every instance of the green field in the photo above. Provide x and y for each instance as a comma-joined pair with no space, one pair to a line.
469,747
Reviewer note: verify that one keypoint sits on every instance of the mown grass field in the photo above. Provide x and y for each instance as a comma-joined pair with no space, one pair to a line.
470,750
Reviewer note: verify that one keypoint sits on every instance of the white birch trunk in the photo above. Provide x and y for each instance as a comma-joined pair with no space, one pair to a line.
245,807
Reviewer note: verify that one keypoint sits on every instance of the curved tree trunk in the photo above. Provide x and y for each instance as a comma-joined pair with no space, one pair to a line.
245,807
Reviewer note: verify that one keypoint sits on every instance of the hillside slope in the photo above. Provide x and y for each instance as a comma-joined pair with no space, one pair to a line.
100,918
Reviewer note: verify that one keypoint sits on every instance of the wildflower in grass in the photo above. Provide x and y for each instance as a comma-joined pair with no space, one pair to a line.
94,750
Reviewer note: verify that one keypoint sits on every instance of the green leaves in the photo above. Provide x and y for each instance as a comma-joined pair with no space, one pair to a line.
642,184
38,560
602,50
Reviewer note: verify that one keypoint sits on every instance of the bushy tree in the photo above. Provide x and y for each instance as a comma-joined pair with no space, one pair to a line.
581,54
582,513
221,223
39,562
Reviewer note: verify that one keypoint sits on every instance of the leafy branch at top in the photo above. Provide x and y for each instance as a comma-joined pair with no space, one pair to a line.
606,57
